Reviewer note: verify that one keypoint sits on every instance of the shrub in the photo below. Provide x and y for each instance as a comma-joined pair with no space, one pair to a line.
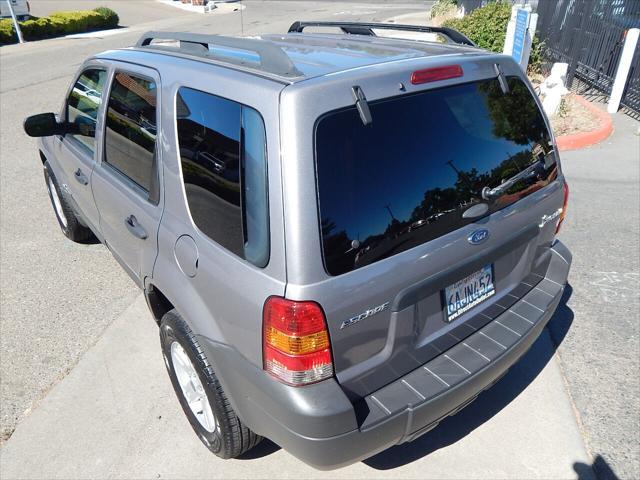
443,7
7,34
487,28
110,17
59,23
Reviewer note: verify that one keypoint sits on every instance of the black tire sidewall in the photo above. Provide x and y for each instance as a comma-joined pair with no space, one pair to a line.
173,329
49,175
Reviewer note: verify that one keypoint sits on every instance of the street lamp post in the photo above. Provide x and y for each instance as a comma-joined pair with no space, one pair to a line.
15,22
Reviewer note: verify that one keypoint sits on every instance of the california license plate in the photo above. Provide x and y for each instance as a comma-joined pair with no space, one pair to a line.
465,294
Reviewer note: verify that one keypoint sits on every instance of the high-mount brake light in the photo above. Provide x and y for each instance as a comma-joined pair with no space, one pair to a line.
296,348
436,73
565,188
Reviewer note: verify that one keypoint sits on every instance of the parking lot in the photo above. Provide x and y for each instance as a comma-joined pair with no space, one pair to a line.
83,390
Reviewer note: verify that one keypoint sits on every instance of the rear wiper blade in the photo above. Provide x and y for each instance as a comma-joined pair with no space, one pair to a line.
493,193
362,105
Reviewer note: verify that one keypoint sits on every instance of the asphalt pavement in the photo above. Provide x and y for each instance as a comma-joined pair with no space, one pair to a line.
116,416
131,12
599,332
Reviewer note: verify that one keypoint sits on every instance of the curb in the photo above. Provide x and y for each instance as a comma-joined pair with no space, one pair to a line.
576,141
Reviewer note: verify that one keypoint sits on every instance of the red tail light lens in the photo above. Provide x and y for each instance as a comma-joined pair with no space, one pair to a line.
437,73
296,348
565,188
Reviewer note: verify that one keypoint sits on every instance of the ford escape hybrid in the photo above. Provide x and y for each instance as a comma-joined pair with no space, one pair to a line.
343,237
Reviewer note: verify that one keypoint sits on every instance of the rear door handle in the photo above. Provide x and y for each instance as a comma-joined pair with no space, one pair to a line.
135,228
81,177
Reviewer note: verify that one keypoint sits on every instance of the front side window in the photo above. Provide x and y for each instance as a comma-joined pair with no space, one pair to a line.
83,105
223,157
408,177
130,134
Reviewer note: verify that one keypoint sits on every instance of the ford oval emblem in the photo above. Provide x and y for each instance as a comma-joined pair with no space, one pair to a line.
479,236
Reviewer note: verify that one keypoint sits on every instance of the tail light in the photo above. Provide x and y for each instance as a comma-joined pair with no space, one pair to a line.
296,348
437,73
565,188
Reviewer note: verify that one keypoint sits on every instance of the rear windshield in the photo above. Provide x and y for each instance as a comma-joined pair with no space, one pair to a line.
426,158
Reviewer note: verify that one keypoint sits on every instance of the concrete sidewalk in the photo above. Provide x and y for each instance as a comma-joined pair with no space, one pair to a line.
115,416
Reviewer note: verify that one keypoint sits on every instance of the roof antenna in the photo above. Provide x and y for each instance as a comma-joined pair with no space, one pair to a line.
361,105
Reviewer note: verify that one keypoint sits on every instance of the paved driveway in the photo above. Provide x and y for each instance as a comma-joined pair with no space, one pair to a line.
131,12
116,416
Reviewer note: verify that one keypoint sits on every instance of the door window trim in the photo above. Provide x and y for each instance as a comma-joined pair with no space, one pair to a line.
71,141
153,195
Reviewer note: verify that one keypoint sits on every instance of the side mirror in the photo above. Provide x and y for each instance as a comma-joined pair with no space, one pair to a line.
43,125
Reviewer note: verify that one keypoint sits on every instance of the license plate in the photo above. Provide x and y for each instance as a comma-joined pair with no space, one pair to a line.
465,294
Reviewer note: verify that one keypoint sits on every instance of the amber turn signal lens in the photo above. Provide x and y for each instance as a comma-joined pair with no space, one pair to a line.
297,345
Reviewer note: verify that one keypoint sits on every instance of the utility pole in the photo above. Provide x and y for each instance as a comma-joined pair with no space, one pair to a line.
388,207
15,22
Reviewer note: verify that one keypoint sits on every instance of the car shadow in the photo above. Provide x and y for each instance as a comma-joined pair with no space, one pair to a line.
599,469
488,403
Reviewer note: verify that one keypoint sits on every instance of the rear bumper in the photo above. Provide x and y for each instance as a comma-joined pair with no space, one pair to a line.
320,426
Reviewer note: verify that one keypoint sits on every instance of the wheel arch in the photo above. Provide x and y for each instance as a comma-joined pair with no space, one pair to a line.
157,301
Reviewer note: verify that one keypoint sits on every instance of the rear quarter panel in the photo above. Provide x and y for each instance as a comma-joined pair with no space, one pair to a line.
224,300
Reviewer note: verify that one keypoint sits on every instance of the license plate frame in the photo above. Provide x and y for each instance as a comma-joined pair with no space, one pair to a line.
476,288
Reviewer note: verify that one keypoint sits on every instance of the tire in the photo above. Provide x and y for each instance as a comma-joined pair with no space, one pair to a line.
226,436
67,219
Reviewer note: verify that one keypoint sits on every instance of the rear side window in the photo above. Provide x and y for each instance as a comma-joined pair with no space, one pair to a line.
223,157
408,177
130,136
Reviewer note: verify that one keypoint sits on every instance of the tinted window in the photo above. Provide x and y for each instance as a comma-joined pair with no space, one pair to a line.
407,178
131,128
83,104
222,151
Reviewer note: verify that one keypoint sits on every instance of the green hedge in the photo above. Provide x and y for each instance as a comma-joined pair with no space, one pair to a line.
487,27
59,23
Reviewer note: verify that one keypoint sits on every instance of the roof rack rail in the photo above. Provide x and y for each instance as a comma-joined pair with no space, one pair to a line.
357,28
272,58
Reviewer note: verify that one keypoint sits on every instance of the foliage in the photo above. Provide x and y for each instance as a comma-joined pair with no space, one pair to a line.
536,57
515,116
59,23
487,27
111,18
442,7
7,33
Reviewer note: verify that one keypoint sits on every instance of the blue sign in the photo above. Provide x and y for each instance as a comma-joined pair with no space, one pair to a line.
519,38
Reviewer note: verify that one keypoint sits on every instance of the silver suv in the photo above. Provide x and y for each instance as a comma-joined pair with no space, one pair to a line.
343,237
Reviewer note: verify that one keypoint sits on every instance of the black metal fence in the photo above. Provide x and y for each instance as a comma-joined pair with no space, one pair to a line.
589,36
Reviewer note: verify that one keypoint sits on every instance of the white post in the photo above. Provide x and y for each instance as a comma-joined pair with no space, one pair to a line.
511,31
15,22
622,73
531,31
